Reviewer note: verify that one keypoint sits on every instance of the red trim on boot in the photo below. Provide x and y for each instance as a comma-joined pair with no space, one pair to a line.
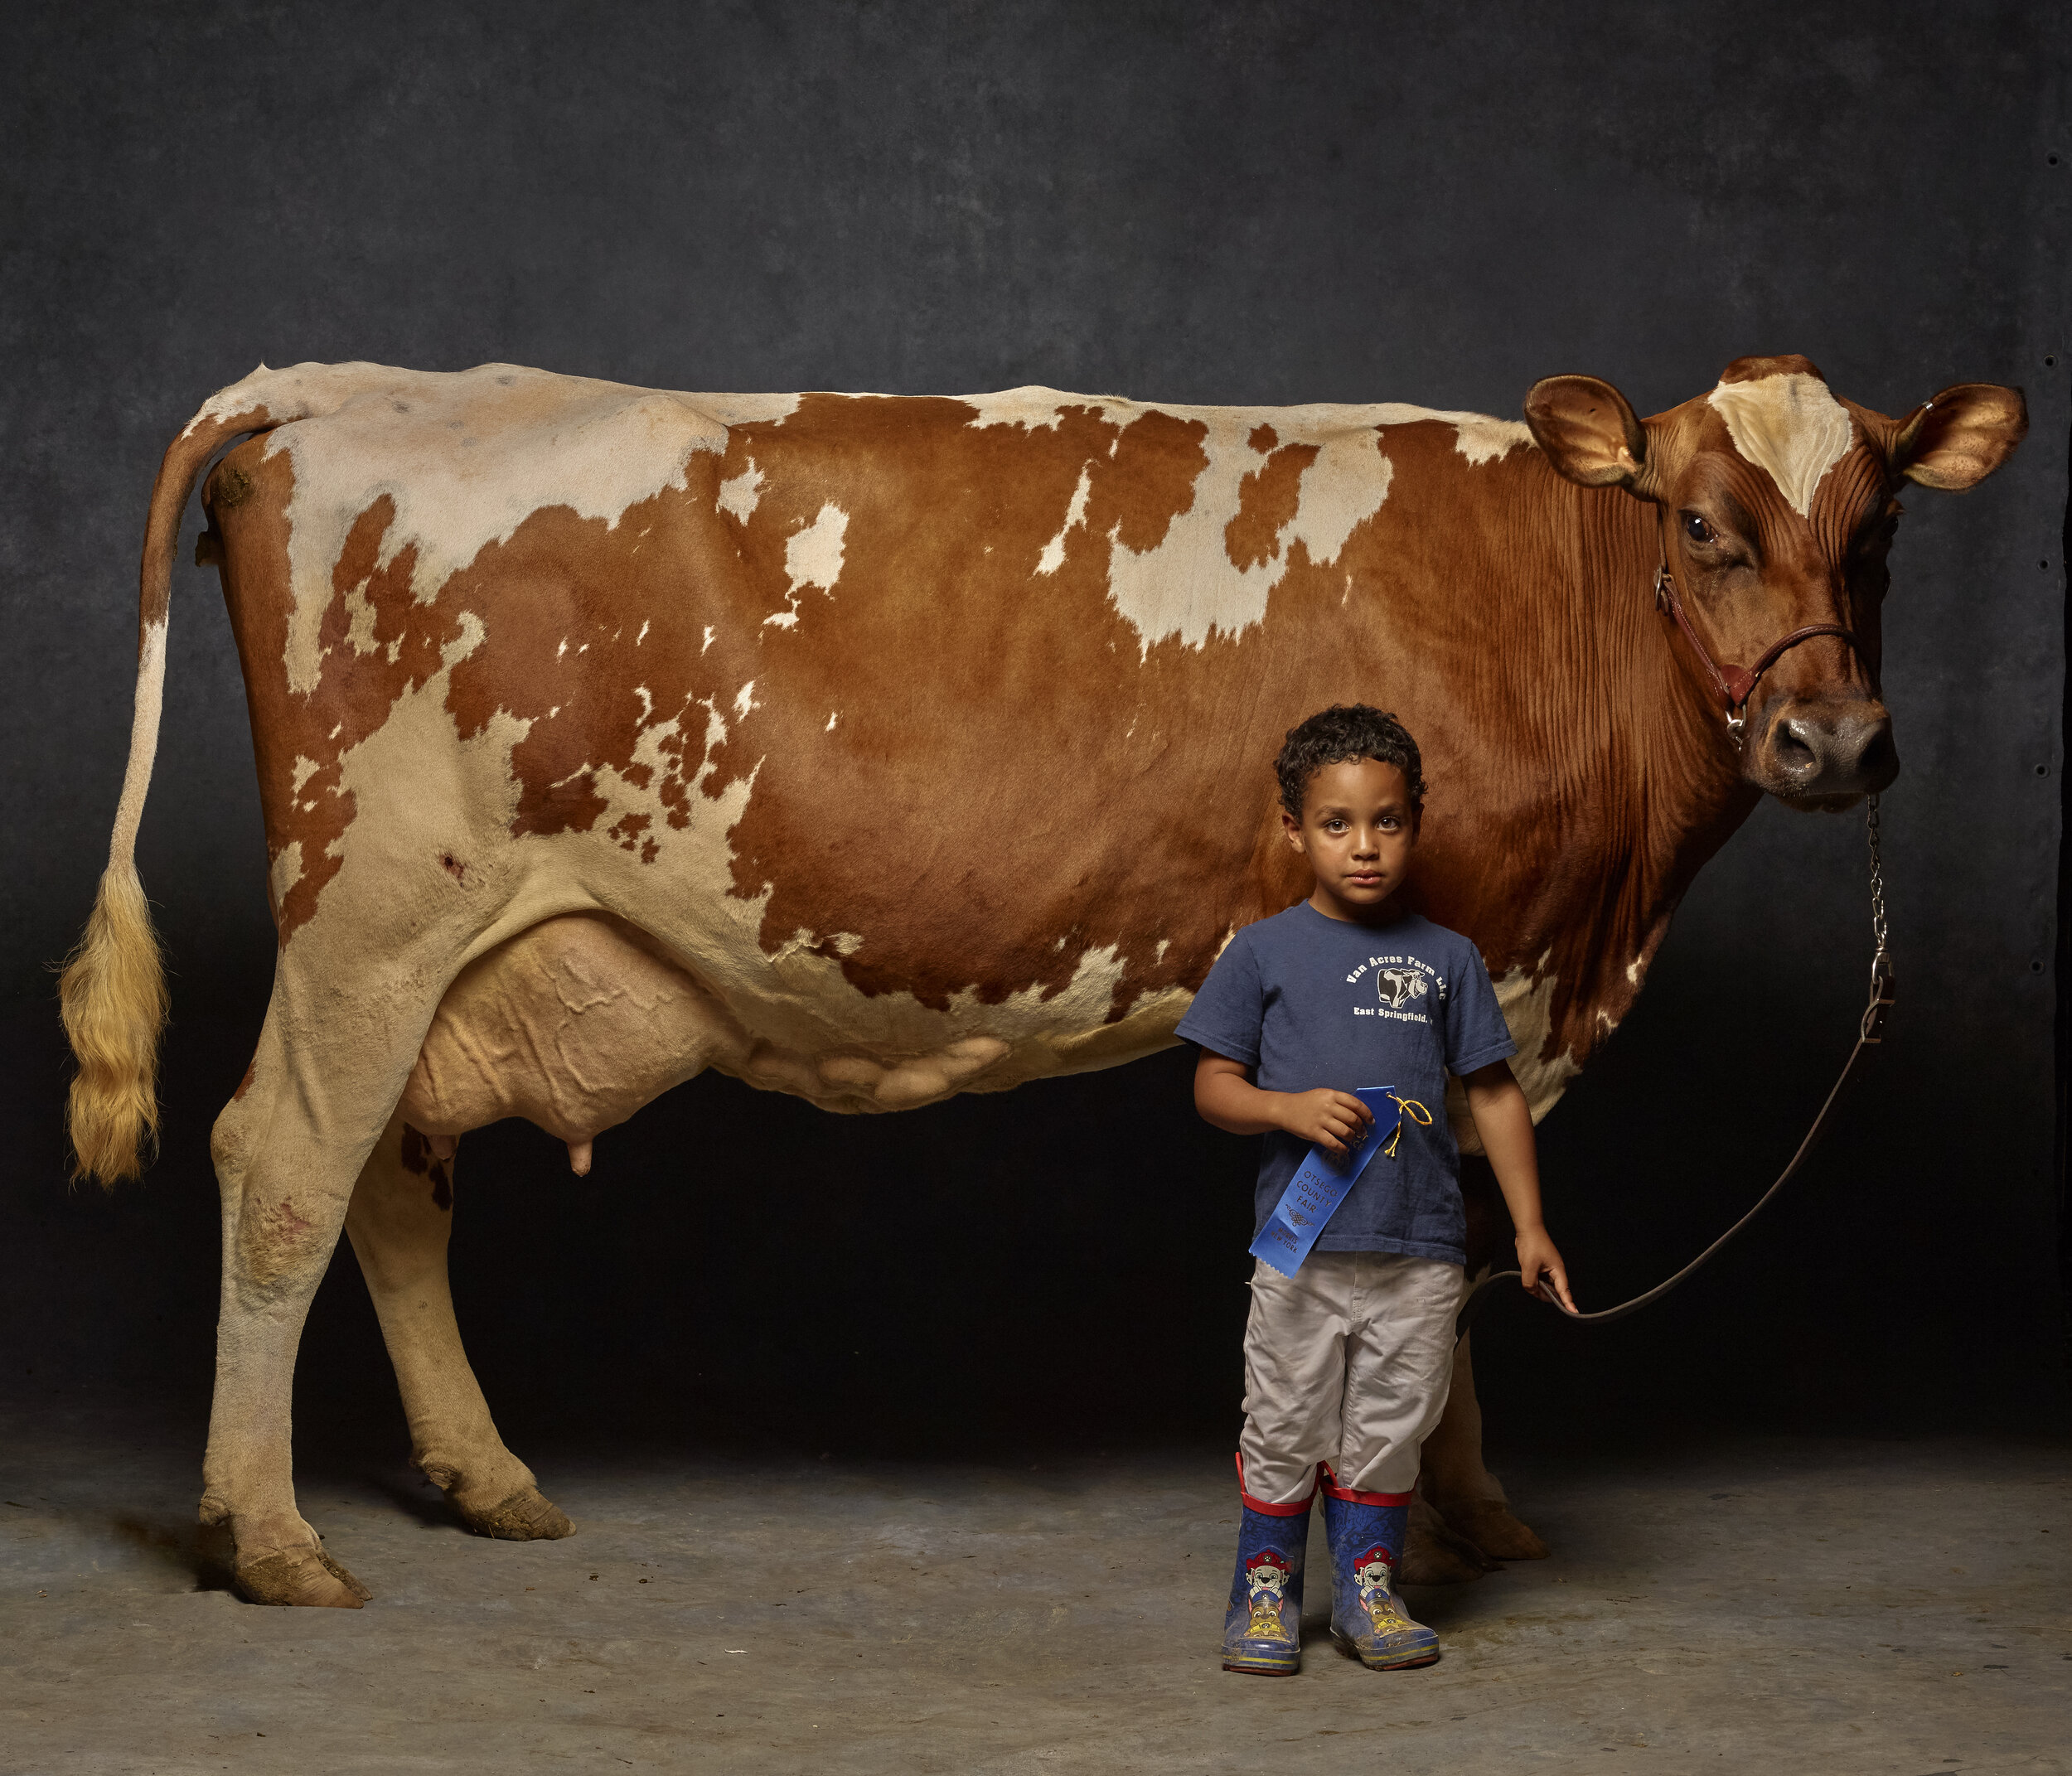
1330,1482
1300,1509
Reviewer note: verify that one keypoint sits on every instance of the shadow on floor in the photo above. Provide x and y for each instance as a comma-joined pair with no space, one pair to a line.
201,1551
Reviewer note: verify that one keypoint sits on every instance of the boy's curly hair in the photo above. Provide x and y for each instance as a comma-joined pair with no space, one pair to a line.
1338,736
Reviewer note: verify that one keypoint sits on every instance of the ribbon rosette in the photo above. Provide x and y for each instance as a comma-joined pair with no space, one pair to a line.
1322,1182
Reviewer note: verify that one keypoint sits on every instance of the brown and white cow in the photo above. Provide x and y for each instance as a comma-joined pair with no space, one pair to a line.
876,749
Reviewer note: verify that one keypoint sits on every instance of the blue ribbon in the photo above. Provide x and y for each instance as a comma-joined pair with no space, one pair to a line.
1320,1185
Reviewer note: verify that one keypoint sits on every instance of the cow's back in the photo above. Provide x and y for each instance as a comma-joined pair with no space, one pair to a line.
900,720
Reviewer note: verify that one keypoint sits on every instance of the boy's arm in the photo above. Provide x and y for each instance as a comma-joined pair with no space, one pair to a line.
1505,1123
1225,1096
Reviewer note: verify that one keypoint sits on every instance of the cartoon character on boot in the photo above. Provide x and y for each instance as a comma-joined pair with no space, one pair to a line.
1374,1626
1262,1633
1267,1588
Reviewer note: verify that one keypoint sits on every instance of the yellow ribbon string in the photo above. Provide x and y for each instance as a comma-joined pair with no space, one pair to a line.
1410,1106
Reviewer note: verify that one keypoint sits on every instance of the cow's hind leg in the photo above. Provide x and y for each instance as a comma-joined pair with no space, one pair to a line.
340,1038
399,1222
1467,1499
287,1149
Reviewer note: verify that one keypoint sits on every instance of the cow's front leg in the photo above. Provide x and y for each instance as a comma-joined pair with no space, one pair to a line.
399,1222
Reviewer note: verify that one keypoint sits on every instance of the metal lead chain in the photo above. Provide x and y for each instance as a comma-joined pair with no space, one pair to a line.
1881,967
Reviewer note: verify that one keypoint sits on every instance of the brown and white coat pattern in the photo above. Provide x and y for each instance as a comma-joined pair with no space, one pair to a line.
874,749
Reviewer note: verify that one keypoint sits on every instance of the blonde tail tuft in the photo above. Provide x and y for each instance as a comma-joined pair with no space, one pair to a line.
113,994
113,1001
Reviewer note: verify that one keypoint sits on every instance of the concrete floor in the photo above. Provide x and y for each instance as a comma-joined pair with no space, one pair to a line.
1794,1606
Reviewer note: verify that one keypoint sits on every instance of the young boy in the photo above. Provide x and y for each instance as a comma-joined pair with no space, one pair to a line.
1347,1361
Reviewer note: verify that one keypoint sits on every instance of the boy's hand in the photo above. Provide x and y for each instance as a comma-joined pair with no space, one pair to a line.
1337,1121
1537,1256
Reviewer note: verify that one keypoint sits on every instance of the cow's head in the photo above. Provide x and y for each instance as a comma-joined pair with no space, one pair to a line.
1774,503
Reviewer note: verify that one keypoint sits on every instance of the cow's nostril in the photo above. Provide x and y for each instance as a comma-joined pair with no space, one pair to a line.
1830,751
1878,761
1794,745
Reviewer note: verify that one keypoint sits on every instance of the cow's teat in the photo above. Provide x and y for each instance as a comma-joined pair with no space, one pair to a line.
1822,753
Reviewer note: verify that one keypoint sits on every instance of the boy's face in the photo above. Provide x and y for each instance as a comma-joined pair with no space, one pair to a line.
1358,830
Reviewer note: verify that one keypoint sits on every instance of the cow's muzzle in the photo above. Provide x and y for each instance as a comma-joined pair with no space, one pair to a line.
1824,752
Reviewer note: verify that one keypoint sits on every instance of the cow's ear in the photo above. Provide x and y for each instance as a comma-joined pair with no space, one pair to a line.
1961,437
1587,430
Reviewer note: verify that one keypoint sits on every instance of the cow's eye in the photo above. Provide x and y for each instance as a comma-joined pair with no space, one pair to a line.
1698,529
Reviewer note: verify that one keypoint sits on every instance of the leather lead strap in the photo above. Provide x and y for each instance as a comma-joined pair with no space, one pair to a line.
1870,1032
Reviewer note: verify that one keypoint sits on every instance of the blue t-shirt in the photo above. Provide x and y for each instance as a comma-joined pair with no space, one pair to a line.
1307,1000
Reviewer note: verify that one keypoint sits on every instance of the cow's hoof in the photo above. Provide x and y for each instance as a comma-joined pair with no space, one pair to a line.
1433,1554
1489,1524
304,1578
524,1517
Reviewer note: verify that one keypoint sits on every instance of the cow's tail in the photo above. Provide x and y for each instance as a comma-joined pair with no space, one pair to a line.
113,992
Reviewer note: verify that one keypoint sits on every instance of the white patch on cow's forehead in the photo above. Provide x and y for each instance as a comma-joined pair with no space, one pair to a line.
466,458
1789,425
1186,584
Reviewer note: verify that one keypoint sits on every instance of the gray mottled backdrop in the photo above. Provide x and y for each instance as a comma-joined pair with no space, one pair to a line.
1204,202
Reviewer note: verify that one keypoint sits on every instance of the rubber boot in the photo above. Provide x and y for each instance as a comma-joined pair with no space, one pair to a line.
1366,1618
1262,1630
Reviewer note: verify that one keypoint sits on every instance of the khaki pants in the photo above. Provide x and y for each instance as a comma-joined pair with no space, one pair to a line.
1347,1363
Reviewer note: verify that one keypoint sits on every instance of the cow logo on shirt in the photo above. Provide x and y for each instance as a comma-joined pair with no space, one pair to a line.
1399,980
1399,986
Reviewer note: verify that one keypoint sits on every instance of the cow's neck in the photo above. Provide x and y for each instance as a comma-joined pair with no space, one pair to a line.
1598,778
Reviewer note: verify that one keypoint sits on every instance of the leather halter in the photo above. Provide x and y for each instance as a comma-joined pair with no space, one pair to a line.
1734,686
